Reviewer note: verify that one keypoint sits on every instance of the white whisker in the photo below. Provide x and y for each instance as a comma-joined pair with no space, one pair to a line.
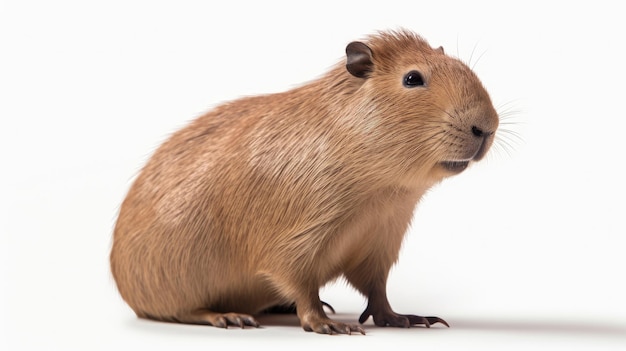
478,59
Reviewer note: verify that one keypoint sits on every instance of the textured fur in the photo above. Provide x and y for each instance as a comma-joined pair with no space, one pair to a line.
265,199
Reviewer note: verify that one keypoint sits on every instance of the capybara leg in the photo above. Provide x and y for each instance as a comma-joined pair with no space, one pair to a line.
313,318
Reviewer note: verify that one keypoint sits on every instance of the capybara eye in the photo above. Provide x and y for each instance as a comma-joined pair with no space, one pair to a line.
413,79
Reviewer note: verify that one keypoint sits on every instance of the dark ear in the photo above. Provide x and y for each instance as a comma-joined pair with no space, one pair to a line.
359,62
440,50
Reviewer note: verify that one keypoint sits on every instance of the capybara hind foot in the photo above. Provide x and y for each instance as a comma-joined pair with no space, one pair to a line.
216,319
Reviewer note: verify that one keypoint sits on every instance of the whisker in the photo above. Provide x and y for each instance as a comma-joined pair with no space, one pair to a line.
508,114
478,59
507,109
504,142
511,133
505,104
507,140
500,149
469,63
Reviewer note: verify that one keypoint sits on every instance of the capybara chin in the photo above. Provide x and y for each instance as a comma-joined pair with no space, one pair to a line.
263,200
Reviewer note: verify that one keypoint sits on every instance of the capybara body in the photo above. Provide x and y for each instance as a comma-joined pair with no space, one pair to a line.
263,200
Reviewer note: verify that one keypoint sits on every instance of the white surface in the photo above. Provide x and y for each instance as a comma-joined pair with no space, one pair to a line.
525,250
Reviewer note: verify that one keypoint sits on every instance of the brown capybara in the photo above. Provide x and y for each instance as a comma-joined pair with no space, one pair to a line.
263,200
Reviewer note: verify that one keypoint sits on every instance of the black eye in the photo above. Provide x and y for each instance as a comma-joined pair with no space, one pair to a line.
413,79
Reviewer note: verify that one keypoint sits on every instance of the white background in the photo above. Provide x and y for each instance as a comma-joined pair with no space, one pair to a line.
524,250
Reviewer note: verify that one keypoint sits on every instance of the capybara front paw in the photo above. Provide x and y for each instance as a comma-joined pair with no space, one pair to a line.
392,319
328,326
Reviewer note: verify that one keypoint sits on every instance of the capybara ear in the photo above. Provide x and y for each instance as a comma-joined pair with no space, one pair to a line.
359,59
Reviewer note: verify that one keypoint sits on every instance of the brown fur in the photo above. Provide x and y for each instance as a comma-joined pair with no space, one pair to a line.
265,199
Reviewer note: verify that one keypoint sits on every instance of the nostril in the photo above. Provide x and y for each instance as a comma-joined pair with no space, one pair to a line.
477,131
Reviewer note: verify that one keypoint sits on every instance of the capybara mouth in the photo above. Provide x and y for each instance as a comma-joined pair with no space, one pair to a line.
454,166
